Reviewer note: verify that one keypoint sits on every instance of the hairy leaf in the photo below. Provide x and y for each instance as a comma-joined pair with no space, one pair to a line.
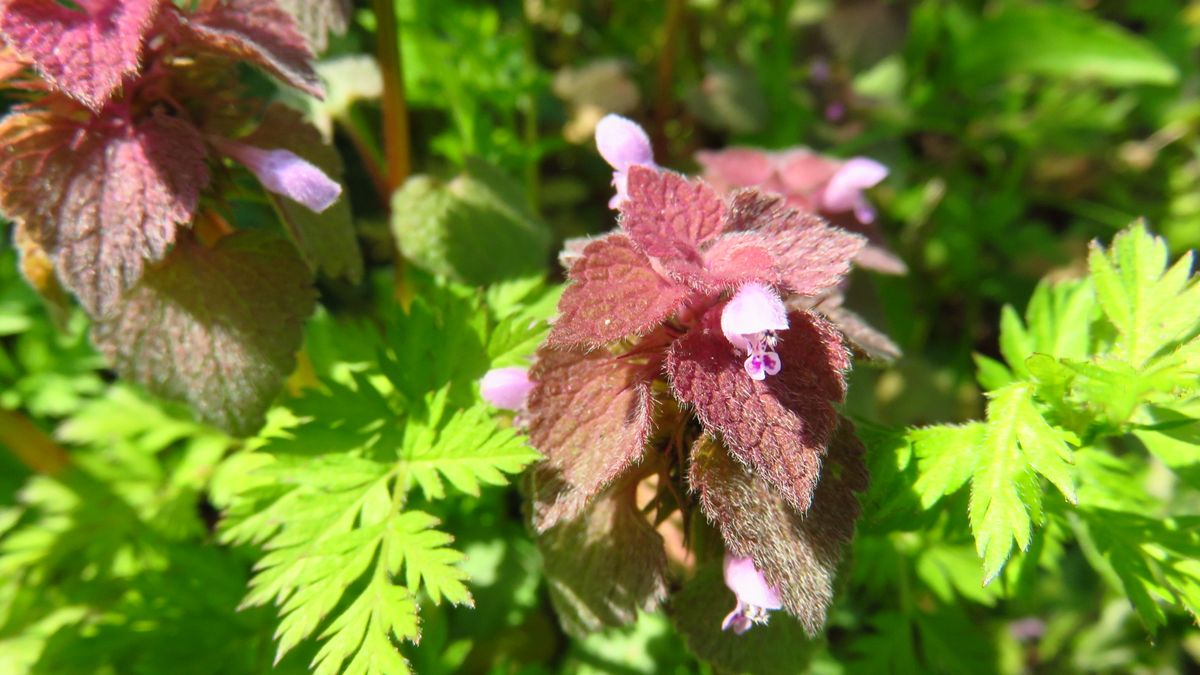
811,256
84,52
326,240
261,32
604,565
864,338
779,427
590,414
798,552
105,204
216,327
668,216
477,228
614,293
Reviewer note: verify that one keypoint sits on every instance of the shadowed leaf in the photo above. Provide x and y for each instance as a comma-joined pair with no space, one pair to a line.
590,415
797,552
605,565
215,327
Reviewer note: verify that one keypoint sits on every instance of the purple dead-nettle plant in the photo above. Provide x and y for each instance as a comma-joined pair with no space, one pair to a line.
679,375
116,171
812,183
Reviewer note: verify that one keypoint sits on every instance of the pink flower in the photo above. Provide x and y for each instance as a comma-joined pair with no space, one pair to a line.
749,322
844,192
506,388
755,599
623,144
285,173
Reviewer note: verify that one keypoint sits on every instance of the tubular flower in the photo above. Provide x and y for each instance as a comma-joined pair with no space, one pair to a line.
506,388
623,144
285,173
749,322
755,598
844,192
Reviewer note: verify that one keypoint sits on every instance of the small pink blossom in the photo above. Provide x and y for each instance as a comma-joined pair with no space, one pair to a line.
844,192
623,144
755,598
506,388
749,322
285,173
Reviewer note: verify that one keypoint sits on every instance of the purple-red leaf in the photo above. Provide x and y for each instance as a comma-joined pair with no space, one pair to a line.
864,338
317,18
797,552
779,427
326,240
589,415
810,257
215,327
261,32
669,216
84,52
614,293
605,565
101,201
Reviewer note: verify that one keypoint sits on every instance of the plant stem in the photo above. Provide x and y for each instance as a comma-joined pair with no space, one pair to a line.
31,445
663,108
395,109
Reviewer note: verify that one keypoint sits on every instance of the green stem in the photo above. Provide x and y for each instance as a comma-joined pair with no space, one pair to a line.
663,109
31,445
395,108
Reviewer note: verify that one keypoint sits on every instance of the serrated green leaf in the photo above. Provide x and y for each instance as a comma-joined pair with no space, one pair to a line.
1015,343
422,551
1006,499
946,459
469,450
1152,307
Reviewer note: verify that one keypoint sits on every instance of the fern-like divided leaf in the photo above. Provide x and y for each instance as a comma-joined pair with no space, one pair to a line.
344,560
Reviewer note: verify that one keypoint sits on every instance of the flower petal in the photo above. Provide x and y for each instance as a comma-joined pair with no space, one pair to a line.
748,584
506,388
856,175
755,308
286,173
622,143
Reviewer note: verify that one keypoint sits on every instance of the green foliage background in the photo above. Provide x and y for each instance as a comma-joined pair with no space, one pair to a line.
1035,454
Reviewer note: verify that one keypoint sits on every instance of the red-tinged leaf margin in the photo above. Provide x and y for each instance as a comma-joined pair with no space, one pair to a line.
798,553
669,217
103,198
604,565
86,54
326,240
780,427
614,294
590,415
261,32
215,327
